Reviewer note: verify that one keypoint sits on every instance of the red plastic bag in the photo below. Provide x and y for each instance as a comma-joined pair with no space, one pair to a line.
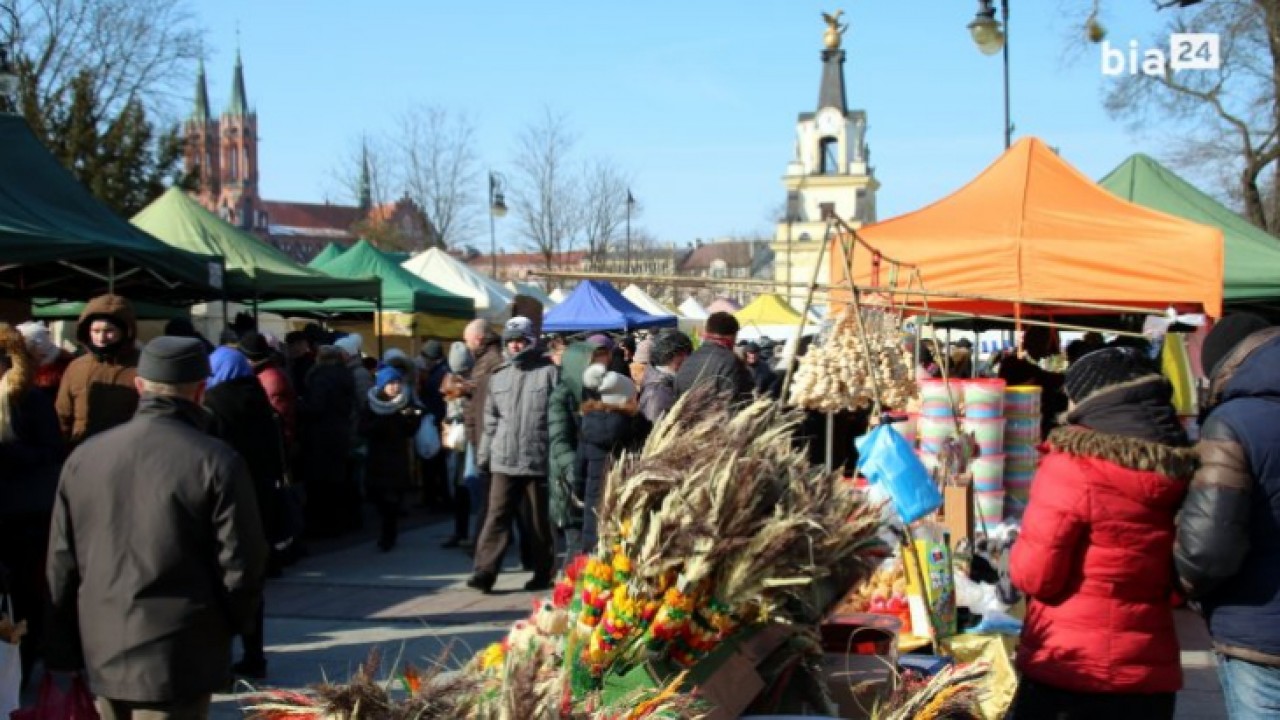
54,704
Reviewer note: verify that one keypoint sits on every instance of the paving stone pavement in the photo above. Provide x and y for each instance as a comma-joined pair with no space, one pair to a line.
331,609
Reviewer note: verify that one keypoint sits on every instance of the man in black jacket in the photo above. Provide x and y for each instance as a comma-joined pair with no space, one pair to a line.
1228,549
715,363
156,556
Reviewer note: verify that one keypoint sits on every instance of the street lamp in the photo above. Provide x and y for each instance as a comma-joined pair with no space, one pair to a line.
992,36
497,209
631,203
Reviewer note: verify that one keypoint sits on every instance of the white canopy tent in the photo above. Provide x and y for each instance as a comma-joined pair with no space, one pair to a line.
532,291
448,273
645,301
558,295
692,309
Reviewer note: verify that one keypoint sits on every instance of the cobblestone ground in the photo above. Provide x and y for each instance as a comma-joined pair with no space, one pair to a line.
329,610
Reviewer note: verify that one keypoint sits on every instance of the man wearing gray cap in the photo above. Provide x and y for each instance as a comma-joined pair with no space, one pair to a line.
156,554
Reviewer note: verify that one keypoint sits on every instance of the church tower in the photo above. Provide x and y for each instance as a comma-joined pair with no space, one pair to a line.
238,201
830,173
202,155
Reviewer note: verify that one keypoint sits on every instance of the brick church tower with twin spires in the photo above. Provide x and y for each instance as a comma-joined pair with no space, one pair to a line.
222,154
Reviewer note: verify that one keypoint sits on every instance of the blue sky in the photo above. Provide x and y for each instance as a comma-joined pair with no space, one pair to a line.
696,100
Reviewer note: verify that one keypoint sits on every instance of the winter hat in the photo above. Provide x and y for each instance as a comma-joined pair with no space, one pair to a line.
228,364
39,342
1225,336
254,346
593,376
518,327
386,375
350,344
433,351
644,352
175,361
1105,368
601,340
616,389
460,358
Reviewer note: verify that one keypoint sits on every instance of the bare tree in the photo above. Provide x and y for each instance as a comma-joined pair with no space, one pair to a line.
544,192
1222,122
347,177
436,161
141,50
605,196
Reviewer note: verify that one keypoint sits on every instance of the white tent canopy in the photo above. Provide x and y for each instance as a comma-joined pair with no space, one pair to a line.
532,291
448,273
645,301
558,295
692,309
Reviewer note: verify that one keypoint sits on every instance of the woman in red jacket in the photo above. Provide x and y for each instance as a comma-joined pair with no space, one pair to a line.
1095,556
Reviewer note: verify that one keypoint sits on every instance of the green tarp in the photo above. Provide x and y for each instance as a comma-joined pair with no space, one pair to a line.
1252,272
254,268
402,291
329,252
56,239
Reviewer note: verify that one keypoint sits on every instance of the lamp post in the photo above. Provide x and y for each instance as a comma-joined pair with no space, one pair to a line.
631,203
497,209
992,36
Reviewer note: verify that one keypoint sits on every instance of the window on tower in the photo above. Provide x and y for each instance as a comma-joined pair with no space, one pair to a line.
829,151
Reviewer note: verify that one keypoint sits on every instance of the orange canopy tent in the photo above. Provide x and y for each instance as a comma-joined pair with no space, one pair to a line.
1033,228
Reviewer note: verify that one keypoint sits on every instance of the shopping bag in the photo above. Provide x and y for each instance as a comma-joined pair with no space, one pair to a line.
54,704
10,666
454,436
427,442
886,459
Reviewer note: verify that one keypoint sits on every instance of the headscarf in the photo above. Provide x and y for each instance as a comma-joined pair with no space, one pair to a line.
228,363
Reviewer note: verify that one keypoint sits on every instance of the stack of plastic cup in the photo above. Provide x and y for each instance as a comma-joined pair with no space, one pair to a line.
1022,401
936,400
934,431
984,398
989,432
1021,436
990,506
1021,431
1019,471
908,428
988,473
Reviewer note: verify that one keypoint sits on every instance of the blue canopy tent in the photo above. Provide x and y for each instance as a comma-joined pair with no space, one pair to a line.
596,305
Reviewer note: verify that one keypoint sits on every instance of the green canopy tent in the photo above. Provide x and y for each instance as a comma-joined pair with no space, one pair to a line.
56,239
424,309
1252,273
255,270
329,252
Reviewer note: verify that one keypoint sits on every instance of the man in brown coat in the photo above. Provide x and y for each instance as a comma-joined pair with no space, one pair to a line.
97,390
156,555
486,348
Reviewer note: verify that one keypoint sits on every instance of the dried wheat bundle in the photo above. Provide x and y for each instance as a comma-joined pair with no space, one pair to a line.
845,371
952,694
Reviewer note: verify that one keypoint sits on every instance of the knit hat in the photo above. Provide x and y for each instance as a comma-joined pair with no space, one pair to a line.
386,375
350,344
460,358
644,352
593,376
616,388
518,327
1105,368
601,340
433,351
39,341
1225,336
174,360
254,346
228,364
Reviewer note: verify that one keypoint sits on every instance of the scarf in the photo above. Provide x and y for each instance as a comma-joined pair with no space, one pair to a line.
723,341
382,406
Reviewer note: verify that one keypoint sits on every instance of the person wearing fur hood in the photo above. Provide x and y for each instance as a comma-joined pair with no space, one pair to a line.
610,425
389,424
1095,555
97,390
31,455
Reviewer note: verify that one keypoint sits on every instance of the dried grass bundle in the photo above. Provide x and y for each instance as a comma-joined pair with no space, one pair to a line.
952,694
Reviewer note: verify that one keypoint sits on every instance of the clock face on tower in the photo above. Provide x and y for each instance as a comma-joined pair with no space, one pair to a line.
829,121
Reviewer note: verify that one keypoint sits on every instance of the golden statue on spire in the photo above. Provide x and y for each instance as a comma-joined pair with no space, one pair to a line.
835,30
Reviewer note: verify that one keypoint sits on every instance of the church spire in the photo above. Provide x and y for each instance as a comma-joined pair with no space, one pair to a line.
364,190
200,113
831,93
238,105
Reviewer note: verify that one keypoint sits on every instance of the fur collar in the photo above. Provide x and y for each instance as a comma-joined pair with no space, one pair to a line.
630,409
387,407
1127,452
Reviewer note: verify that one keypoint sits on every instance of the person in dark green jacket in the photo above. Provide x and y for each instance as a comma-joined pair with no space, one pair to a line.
565,489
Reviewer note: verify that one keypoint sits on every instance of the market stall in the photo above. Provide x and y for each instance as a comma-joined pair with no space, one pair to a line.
448,273
329,252
645,301
598,306
692,309
533,291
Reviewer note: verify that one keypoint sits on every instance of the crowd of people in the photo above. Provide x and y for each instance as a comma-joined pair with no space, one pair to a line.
151,489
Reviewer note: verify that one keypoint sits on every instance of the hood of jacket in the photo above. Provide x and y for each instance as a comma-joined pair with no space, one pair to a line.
573,363
1160,472
113,307
1251,370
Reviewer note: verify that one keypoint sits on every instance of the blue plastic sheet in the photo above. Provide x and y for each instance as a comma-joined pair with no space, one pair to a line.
885,458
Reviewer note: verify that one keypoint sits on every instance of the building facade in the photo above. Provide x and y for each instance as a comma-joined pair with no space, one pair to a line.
829,176
222,154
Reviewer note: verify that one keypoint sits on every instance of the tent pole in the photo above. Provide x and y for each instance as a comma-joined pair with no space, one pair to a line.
377,319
